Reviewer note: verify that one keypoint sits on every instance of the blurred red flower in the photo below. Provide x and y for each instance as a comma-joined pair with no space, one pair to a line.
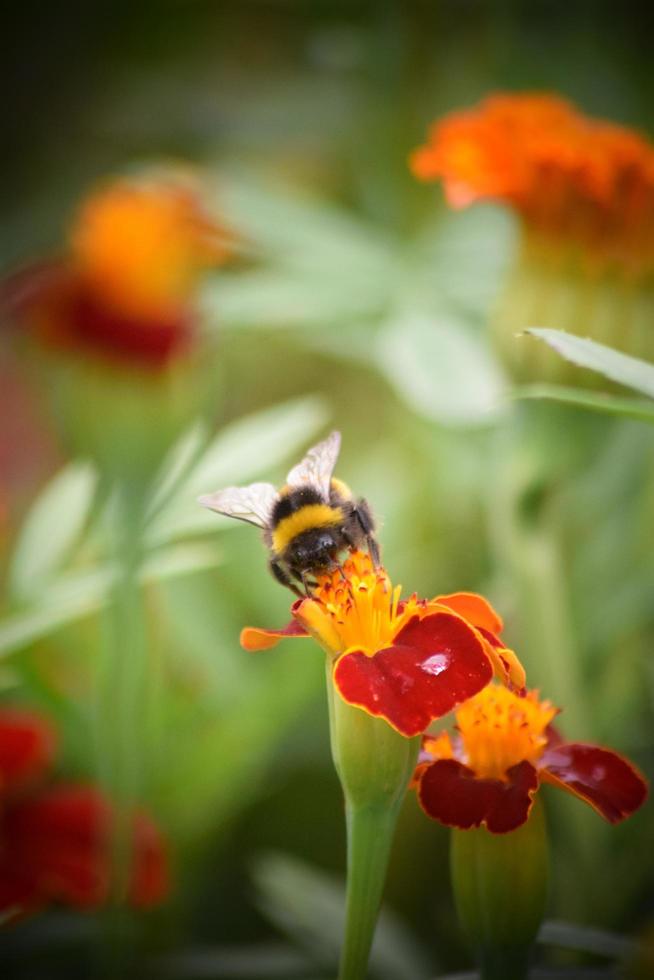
55,839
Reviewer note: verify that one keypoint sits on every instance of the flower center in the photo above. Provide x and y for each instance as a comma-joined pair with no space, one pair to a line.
499,729
356,605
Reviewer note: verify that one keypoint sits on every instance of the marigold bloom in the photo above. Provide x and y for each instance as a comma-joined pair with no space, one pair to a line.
570,177
505,746
406,661
55,839
125,289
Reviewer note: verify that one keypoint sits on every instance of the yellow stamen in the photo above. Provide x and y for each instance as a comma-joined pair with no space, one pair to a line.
356,606
499,729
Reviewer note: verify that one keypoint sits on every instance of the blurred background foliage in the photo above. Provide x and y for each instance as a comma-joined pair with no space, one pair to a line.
357,302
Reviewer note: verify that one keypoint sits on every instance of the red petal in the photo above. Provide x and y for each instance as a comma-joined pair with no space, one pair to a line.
435,663
57,848
474,608
150,882
253,638
150,342
451,793
602,778
27,745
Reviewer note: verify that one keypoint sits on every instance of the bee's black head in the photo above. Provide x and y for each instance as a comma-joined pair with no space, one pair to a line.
314,549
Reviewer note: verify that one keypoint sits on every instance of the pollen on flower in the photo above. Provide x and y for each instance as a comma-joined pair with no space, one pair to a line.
568,175
356,605
499,729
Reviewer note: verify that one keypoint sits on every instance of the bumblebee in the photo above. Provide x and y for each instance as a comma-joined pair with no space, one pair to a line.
308,522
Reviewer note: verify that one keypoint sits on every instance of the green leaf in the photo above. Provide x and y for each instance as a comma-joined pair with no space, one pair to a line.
291,299
632,408
52,528
176,466
612,364
243,450
464,256
300,230
82,593
441,368
322,263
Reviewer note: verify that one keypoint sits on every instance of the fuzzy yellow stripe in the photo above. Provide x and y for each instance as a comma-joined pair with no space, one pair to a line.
341,488
304,519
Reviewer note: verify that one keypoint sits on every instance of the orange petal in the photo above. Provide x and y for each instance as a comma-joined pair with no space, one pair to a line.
254,638
506,667
474,608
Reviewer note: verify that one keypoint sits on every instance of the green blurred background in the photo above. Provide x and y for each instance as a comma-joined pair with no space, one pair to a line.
359,303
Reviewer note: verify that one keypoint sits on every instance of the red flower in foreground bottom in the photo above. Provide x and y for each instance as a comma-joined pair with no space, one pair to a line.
55,841
488,774
406,661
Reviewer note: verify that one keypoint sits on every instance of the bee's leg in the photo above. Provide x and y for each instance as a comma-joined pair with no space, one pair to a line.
283,577
366,522
373,550
305,583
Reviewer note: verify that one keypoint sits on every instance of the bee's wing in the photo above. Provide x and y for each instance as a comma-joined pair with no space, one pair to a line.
317,467
253,504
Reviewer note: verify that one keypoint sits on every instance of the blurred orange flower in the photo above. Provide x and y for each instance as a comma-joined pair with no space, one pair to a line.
567,175
125,289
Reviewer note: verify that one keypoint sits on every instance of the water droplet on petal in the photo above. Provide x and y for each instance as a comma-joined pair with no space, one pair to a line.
436,664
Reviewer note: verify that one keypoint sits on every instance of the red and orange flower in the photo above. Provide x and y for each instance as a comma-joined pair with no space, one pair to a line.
569,176
504,747
55,838
406,661
125,289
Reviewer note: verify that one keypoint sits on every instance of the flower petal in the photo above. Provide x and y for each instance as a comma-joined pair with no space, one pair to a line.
599,776
506,666
253,638
27,745
58,849
474,608
431,748
434,664
451,793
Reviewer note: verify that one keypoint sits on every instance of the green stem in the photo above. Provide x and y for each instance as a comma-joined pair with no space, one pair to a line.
374,764
369,837
121,710
500,889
